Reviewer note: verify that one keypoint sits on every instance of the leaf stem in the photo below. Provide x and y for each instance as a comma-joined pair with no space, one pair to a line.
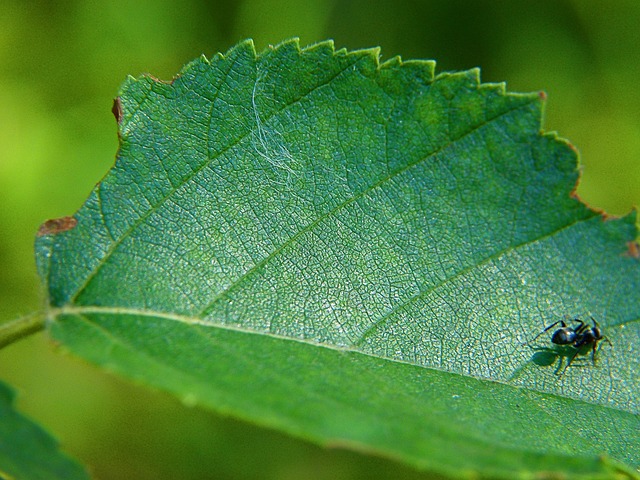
20,328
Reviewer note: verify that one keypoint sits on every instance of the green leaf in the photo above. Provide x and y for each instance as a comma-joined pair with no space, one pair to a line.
27,451
358,254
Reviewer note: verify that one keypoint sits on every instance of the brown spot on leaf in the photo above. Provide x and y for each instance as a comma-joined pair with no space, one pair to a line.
599,211
633,249
57,225
117,109
573,147
542,95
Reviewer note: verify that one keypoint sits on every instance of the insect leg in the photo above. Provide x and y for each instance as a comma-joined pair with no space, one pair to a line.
593,354
569,362
561,322
580,329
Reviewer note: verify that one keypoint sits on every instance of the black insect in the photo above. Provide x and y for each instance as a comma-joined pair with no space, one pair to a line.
578,337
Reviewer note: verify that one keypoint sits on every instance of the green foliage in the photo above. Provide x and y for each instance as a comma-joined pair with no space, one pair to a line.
28,452
355,253
58,139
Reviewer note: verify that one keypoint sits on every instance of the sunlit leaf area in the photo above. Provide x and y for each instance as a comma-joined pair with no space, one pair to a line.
61,67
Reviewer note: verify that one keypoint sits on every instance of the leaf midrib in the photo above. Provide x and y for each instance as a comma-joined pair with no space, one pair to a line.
198,320
442,425
83,311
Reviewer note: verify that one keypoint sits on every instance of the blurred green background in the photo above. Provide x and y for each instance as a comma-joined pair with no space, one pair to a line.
61,64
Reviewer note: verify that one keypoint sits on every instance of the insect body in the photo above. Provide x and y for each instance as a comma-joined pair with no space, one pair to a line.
578,337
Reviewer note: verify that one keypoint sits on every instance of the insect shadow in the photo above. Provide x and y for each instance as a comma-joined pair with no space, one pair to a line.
563,356
568,342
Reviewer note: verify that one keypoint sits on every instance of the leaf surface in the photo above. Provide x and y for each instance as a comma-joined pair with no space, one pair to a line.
27,451
358,254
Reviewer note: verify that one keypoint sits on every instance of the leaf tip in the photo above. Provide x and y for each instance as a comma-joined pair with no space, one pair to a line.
395,61
328,45
245,46
293,42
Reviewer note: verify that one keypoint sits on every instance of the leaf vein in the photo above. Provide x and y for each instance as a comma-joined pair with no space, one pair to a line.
387,318
154,207
309,227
